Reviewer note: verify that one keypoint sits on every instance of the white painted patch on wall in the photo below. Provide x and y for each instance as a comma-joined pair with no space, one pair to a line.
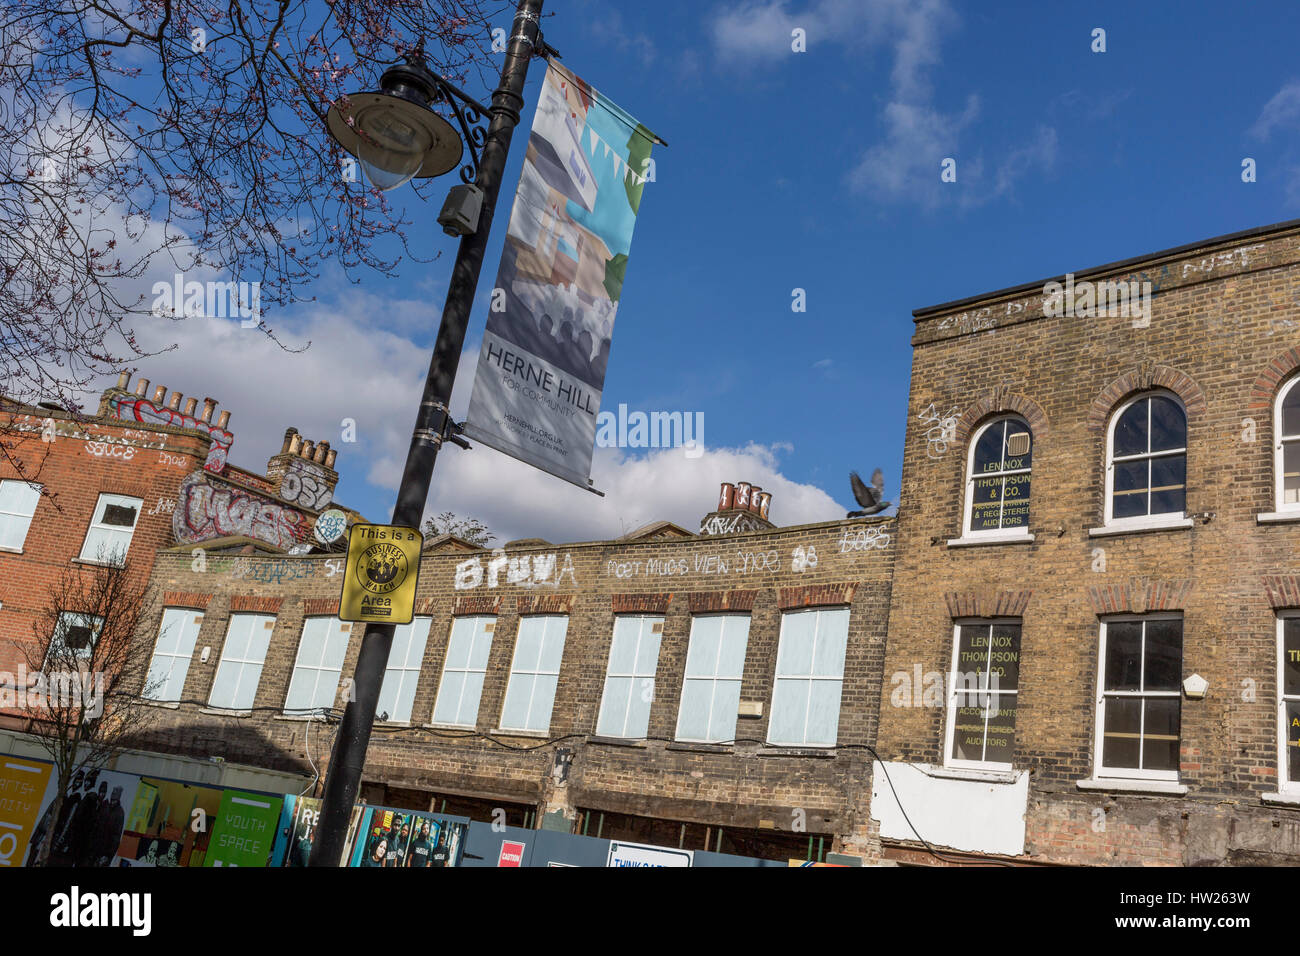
981,816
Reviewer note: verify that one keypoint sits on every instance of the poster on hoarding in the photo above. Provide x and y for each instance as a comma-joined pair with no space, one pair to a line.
91,821
639,854
541,368
388,838
244,831
22,788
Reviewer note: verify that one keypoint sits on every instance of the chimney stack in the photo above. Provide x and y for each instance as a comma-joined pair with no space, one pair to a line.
296,448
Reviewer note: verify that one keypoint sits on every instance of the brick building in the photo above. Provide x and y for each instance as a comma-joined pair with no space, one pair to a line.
141,474
1102,510
629,689
1079,642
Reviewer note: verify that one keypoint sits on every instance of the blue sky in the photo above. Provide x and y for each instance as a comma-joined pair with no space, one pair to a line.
818,171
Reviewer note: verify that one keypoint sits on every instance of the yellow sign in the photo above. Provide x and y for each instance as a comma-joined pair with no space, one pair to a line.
379,582
22,787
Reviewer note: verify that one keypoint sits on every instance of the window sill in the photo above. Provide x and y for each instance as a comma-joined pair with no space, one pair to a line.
1132,785
225,712
1277,517
503,732
166,704
964,773
975,540
686,746
1282,799
392,723
5,549
778,750
634,742
301,718
1129,526
99,564
467,728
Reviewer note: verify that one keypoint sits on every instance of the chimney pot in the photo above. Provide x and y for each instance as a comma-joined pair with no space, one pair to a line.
190,405
175,402
321,450
288,437
308,447
123,380
295,443
159,394
209,406
329,458
142,386
754,493
223,419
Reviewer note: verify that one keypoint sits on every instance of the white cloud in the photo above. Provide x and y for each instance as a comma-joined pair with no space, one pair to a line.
355,369
1283,110
904,166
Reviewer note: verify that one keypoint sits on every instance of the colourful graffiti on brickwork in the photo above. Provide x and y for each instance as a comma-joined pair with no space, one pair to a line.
205,511
132,408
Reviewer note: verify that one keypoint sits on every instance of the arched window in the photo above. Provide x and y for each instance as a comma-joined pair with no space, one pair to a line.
997,478
1146,462
1286,446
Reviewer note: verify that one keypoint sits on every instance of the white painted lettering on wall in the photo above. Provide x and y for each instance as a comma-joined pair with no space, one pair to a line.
864,539
523,570
942,430
736,562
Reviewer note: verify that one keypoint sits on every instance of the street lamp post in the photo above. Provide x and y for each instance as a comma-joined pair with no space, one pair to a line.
394,146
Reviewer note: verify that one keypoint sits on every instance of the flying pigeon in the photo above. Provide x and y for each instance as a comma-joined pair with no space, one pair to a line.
868,497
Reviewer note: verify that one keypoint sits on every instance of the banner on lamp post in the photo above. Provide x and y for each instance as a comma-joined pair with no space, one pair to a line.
541,369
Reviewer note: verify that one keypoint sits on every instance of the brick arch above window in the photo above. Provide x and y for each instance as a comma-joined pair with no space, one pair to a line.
987,601
1140,596
1264,392
1144,378
1001,401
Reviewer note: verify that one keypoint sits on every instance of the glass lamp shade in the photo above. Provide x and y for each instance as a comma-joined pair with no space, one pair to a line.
394,139
391,150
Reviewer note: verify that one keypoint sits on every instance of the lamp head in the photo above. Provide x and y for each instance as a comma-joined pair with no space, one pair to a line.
393,133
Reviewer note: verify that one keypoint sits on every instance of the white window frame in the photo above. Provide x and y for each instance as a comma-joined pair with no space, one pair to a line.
20,515
1279,443
1285,784
473,628
1164,519
649,627
68,619
1100,771
256,622
332,627
186,621
405,672
714,678
821,614
951,704
518,673
96,524
968,532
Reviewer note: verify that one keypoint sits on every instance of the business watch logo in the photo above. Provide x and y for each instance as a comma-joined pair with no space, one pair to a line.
383,568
